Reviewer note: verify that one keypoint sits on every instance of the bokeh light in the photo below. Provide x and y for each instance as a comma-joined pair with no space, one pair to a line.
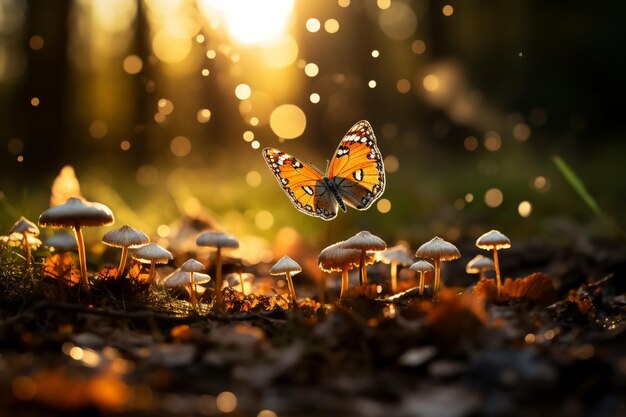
288,121
494,197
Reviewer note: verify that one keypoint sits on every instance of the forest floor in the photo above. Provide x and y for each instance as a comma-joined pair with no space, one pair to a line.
559,353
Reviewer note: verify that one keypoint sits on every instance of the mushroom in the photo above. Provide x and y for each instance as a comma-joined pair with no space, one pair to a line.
61,242
422,267
478,265
25,228
125,237
77,213
287,266
397,255
188,275
152,254
438,250
336,258
217,240
494,240
365,242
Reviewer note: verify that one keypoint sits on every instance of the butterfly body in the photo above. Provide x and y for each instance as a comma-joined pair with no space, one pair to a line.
355,175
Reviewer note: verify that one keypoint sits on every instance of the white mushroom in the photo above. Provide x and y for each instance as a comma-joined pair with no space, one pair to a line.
289,267
125,237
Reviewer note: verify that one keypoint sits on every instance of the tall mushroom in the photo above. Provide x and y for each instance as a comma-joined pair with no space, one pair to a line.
478,265
217,240
422,267
188,275
152,254
494,240
125,237
365,242
336,258
77,213
438,250
25,228
289,267
396,255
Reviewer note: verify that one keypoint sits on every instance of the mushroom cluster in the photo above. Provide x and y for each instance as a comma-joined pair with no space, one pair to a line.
438,250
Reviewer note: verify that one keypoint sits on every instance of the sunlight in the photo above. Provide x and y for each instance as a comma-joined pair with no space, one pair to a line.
249,21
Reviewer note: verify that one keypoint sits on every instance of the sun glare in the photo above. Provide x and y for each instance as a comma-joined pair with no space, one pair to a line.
250,21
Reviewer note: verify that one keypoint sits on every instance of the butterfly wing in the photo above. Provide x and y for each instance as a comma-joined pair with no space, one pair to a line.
357,167
304,186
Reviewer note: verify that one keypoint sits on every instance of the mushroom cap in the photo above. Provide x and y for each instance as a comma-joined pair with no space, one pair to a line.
365,241
479,263
422,266
284,265
398,254
191,265
180,278
76,211
493,240
125,236
153,253
217,240
17,240
23,225
437,248
335,258
62,242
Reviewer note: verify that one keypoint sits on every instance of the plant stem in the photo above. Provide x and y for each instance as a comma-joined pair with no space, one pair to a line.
82,259
497,265
344,283
120,269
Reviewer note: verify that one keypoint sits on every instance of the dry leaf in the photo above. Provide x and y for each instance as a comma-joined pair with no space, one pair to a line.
61,266
536,288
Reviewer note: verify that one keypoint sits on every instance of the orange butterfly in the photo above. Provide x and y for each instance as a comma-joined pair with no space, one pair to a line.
355,176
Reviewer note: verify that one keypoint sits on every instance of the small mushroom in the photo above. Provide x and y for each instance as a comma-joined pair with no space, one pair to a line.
61,242
336,258
365,242
478,265
125,237
422,267
289,267
77,213
438,250
188,275
25,228
494,240
217,240
396,255
152,254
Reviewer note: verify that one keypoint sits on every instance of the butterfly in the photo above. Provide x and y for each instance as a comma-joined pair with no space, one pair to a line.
355,176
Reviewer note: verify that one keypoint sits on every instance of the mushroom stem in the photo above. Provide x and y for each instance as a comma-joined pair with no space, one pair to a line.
218,277
497,265
394,277
151,273
437,277
292,290
26,246
362,269
120,269
422,279
243,288
344,283
82,258
192,290
481,274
